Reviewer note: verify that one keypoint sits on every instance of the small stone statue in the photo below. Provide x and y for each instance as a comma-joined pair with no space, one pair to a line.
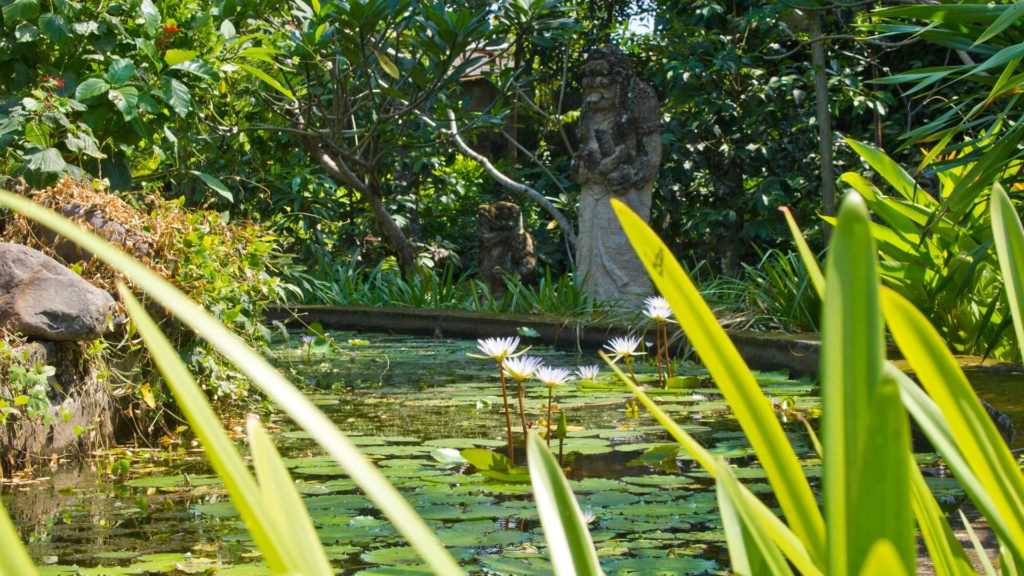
505,247
618,157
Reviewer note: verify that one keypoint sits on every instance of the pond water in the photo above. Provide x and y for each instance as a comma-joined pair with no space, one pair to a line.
402,399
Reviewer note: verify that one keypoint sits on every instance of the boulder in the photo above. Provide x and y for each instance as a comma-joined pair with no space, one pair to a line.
42,299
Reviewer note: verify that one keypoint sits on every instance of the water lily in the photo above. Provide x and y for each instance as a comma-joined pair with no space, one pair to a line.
552,377
497,348
623,347
500,350
588,373
657,308
521,367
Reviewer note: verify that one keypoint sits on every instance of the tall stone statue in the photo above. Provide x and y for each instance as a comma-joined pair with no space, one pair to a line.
618,157
505,246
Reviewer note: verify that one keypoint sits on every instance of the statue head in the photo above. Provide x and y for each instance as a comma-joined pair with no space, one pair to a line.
606,75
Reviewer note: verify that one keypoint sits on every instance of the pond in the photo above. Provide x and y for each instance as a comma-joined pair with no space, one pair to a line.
408,402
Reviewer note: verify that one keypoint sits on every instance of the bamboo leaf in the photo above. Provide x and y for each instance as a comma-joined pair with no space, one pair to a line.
752,409
376,486
569,543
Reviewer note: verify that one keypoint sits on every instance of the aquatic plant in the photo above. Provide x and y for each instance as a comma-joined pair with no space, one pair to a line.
521,368
588,373
499,349
552,377
657,309
624,347
866,451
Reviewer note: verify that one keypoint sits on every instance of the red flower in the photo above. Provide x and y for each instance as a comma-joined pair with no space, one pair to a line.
56,81
171,29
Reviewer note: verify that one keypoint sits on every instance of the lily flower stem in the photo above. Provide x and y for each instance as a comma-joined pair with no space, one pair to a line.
508,415
629,367
658,352
668,361
522,410
550,390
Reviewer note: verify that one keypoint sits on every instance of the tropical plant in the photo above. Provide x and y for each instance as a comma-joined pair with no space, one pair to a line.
269,504
942,261
865,448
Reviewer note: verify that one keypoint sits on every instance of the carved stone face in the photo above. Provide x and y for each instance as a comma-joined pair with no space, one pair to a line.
605,71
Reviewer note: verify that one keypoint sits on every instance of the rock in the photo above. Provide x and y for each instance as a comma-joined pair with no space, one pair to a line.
505,247
42,299
618,157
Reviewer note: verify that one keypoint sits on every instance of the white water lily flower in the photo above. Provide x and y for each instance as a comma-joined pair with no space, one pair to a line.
552,377
497,348
657,308
521,367
588,373
624,347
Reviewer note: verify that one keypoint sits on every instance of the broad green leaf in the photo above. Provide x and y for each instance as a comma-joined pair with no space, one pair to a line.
893,173
569,544
150,16
752,409
215,183
26,32
284,505
1009,239
784,538
15,558
227,29
121,70
126,99
302,411
21,10
244,492
48,160
199,68
55,27
91,87
268,79
865,439
177,96
975,434
174,56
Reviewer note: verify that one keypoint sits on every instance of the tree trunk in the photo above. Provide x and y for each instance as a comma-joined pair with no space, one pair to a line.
392,233
824,119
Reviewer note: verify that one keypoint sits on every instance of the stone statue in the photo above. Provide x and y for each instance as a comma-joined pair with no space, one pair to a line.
618,157
505,247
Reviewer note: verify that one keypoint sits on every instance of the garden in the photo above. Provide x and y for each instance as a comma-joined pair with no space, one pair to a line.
511,288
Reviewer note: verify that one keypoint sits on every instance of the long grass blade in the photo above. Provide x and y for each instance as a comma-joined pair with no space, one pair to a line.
569,542
376,486
808,257
865,436
784,538
948,557
883,558
974,432
751,550
1009,239
979,550
241,486
734,379
283,503
14,559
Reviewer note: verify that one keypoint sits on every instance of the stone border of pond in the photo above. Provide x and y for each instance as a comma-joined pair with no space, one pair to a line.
762,351
797,353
